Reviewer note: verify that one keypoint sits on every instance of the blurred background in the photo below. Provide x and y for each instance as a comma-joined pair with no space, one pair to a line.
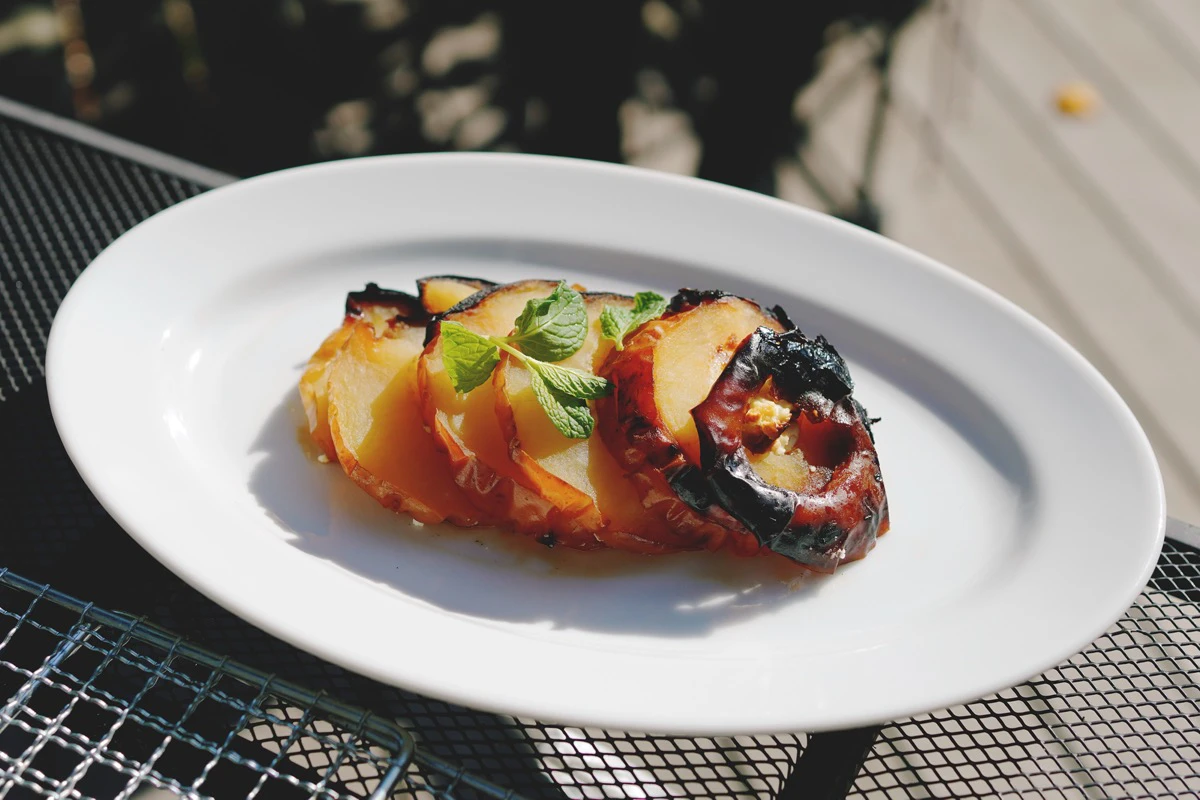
1046,148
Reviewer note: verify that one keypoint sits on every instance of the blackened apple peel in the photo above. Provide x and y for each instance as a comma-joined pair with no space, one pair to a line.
835,504
374,302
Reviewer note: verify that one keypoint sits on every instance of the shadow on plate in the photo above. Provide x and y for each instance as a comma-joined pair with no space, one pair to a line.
489,574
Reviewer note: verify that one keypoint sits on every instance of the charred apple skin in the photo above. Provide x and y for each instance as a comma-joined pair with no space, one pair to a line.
381,305
439,293
663,464
686,299
466,304
830,522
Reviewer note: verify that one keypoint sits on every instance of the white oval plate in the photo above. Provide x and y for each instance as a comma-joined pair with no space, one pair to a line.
1027,508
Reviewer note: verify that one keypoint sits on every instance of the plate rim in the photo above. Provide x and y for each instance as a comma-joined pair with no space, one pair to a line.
58,343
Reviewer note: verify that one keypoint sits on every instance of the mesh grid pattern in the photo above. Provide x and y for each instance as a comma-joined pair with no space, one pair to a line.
101,705
1120,719
534,759
61,203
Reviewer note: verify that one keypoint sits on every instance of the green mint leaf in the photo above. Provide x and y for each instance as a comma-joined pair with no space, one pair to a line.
569,414
554,327
647,306
469,357
573,382
617,323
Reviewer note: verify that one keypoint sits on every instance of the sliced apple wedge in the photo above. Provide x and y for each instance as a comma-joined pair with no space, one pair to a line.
373,305
377,429
579,477
467,428
440,293
314,394
667,368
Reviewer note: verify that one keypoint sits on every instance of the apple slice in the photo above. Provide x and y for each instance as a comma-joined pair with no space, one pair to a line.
667,368
467,428
374,305
440,293
377,429
787,450
313,390
579,477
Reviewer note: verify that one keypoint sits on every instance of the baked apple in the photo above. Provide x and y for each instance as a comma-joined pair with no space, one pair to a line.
664,371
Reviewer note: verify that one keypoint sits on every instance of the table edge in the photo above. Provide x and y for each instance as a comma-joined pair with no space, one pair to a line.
84,134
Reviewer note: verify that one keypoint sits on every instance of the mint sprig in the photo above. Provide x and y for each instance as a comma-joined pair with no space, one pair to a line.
554,327
617,323
547,330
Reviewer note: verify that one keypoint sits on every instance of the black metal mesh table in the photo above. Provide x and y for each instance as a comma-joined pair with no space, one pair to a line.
100,703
